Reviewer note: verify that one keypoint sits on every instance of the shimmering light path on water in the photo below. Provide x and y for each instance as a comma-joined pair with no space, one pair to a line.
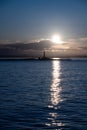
42,95
55,92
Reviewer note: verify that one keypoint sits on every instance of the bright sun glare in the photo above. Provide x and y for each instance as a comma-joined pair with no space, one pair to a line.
56,39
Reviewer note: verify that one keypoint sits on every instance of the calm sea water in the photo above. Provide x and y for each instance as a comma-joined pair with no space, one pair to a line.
42,95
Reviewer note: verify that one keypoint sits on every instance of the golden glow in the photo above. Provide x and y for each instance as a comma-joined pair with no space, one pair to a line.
56,39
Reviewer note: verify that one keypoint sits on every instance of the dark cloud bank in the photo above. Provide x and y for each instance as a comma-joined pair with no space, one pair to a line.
36,49
24,49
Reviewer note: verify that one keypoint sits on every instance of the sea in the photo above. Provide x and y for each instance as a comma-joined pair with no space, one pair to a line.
43,94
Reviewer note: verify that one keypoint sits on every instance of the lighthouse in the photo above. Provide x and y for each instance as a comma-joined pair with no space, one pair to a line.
44,55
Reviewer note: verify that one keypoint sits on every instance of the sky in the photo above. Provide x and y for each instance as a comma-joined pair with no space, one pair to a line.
25,24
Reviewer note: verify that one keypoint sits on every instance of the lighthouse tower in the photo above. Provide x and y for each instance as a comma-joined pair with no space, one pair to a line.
44,55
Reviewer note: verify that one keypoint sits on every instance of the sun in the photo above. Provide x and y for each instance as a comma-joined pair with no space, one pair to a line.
56,39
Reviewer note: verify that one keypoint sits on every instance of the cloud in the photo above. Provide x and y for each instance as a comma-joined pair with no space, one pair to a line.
41,45
19,49
77,43
81,40
34,49
9,41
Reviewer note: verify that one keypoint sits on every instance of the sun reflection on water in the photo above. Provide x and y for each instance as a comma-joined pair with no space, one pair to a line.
55,87
55,96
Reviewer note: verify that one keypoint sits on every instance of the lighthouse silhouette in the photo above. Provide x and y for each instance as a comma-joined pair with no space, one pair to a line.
44,56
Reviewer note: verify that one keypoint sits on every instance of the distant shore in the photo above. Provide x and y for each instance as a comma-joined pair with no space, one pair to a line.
61,59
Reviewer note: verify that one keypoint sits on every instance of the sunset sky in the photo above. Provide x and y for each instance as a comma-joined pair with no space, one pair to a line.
27,27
